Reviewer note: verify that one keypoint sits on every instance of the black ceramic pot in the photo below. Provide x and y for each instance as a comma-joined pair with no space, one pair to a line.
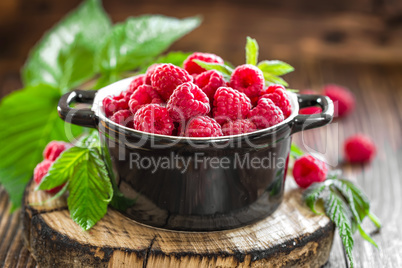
195,184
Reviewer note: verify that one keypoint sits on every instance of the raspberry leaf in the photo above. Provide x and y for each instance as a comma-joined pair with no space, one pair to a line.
272,79
312,194
275,67
224,69
28,121
64,57
295,151
139,40
251,51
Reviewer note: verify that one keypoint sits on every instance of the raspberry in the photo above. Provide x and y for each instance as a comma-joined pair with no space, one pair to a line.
193,68
124,118
187,101
248,79
230,104
266,114
150,71
41,170
153,118
167,77
112,104
308,170
144,94
343,99
238,126
310,110
359,149
278,95
209,82
137,81
203,126
54,149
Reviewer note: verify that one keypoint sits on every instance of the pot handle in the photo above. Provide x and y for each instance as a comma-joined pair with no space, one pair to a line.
309,121
82,117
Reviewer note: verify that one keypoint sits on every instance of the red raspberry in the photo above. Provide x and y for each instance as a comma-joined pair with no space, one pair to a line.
343,99
144,94
153,118
137,81
209,82
248,79
310,110
187,101
112,104
238,126
203,126
41,170
266,114
124,118
278,95
308,170
230,104
167,77
359,149
193,68
54,149
150,71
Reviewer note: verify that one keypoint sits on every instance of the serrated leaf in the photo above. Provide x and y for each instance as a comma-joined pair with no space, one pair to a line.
336,210
295,151
64,56
251,51
90,190
139,40
275,67
343,188
224,69
270,78
312,194
28,121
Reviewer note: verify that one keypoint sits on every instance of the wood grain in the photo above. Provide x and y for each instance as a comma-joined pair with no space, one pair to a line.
293,237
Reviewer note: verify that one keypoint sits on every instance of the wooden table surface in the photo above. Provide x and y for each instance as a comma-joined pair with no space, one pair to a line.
368,61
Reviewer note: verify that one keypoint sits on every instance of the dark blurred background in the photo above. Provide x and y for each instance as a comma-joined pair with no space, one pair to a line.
364,31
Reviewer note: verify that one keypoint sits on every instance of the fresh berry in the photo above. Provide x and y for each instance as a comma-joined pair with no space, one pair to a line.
308,169
153,118
137,81
187,101
310,110
54,149
193,68
112,104
150,71
230,104
41,170
266,114
278,95
167,77
124,118
343,99
248,79
359,149
238,126
203,126
209,82
144,94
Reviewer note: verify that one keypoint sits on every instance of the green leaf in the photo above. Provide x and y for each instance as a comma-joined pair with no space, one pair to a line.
375,220
139,40
336,210
175,57
57,195
312,194
270,78
64,57
251,51
275,67
225,70
90,190
366,236
295,151
28,121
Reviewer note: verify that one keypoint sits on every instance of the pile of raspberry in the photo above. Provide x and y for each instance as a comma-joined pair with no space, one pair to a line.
194,102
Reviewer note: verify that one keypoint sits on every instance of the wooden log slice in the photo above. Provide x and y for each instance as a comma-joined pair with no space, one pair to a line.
291,237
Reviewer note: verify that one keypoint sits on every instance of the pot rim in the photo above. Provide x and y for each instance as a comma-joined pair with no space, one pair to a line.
121,85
